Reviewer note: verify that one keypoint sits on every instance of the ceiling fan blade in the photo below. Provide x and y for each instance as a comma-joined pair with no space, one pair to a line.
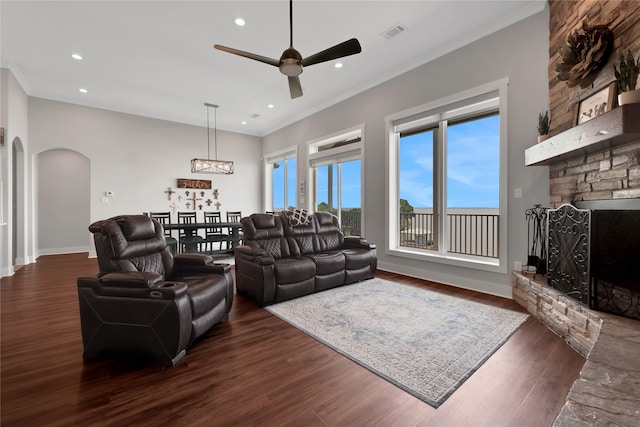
350,47
294,87
249,55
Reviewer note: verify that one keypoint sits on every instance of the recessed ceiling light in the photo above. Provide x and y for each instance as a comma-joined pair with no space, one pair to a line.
83,90
240,22
270,105
244,122
338,65
76,56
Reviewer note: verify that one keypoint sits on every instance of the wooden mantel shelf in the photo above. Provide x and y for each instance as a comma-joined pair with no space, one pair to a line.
615,127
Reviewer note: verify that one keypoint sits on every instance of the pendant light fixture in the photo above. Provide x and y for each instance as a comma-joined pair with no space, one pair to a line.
214,165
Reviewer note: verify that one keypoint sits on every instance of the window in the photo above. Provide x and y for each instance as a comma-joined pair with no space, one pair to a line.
335,165
447,164
280,180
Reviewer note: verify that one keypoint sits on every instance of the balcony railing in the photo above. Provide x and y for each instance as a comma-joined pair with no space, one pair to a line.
469,233
350,222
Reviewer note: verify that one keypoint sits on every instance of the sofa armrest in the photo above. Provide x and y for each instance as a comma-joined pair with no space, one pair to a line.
358,242
253,255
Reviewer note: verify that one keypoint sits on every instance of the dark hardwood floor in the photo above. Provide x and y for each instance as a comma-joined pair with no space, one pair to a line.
254,369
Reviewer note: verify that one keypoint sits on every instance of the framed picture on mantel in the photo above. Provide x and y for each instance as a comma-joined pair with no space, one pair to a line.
595,104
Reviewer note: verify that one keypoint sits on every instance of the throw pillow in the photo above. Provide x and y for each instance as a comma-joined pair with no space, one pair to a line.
298,217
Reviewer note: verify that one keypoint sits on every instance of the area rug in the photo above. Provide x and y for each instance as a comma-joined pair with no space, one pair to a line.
422,341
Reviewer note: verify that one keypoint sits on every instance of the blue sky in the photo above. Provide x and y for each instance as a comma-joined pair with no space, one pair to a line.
350,184
472,168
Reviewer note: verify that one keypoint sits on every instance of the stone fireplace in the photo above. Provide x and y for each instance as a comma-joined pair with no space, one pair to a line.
595,161
593,250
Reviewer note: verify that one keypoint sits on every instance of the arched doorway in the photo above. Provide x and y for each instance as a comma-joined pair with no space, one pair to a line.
18,205
62,201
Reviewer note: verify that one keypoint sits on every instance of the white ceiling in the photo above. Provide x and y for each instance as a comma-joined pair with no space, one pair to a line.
156,58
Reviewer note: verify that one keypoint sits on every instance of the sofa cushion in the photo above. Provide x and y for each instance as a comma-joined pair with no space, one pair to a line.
262,226
301,239
328,262
330,235
357,258
294,269
265,231
273,246
205,291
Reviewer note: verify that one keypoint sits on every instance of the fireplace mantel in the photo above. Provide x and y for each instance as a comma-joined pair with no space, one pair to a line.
616,127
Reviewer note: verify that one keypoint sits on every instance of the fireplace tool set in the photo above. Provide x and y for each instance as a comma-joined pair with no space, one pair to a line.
536,239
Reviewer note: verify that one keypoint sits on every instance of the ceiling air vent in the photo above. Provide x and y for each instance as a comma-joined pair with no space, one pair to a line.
254,116
394,31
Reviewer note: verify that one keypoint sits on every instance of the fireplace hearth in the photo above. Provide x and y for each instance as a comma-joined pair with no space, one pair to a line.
594,254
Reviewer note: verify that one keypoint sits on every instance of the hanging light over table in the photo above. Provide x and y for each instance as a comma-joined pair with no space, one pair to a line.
214,165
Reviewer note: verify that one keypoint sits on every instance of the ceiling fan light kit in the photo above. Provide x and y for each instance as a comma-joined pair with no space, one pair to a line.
210,165
291,62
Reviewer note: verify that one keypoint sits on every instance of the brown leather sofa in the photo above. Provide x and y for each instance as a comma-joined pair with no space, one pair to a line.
281,261
145,301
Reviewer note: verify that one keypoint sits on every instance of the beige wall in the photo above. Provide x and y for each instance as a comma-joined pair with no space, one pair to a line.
519,53
137,158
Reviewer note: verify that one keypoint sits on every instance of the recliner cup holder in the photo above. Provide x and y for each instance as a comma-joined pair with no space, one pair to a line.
169,284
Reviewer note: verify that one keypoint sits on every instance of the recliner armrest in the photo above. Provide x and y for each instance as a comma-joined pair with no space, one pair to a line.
254,255
185,260
358,242
197,263
132,279
132,287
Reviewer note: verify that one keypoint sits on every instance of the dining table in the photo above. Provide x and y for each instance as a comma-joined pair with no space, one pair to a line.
190,230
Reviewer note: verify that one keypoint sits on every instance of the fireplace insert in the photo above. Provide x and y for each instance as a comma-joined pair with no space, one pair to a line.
594,254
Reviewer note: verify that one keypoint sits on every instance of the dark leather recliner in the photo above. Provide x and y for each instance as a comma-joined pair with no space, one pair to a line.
145,301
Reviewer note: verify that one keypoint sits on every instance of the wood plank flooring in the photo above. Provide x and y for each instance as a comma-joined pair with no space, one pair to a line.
254,370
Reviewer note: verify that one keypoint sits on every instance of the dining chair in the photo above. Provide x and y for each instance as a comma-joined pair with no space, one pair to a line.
214,234
235,216
190,241
164,218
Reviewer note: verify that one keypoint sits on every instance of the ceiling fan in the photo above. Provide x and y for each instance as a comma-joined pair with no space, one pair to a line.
291,62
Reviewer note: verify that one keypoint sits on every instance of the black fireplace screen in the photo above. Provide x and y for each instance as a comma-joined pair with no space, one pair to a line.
594,255
569,242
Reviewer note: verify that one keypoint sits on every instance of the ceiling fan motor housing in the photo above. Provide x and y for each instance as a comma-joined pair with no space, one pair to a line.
290,62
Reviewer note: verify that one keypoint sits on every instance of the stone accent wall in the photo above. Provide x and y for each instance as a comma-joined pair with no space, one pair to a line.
612,173
607,392
572,321
566,16
609,174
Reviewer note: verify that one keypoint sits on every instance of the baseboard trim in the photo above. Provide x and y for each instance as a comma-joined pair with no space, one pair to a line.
484,287
62,251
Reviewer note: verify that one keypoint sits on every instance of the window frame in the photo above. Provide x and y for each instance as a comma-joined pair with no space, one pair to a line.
268,160
337,155
427,115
